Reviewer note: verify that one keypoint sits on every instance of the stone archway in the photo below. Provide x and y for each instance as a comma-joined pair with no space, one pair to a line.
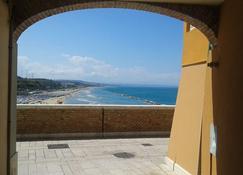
204,18
227,89
27,12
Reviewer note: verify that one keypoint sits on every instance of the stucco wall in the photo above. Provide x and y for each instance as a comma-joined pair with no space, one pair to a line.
186,131
207,159
4,37
184,146
228,89
58,119
195,46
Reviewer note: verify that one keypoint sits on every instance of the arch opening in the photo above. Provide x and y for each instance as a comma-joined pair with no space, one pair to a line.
125,120
146,66
33,19
206,22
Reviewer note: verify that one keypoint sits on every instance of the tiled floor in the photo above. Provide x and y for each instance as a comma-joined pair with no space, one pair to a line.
93,157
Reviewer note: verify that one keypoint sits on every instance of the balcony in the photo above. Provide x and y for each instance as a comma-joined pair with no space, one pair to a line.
101,139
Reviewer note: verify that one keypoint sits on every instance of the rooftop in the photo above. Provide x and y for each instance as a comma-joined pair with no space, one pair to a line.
143,156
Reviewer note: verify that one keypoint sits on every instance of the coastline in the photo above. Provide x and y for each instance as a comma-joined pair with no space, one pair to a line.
51,97
85,95
63,95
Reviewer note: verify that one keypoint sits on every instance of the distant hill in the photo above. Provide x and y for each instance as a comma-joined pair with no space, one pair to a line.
35,84
81,83
25,85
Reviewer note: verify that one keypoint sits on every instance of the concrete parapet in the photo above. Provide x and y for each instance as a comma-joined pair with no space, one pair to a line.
96,121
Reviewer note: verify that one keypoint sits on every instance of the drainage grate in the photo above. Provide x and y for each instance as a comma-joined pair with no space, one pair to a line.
57,146
124,155
147,144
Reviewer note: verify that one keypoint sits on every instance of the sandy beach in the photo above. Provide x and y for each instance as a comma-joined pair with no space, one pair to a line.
61,95
51,97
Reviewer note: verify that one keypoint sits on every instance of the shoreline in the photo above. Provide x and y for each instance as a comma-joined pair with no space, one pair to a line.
60,99
65,95
52,97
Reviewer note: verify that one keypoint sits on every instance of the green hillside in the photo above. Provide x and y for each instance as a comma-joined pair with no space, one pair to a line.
32,84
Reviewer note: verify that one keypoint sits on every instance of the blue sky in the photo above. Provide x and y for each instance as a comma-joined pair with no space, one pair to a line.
103,45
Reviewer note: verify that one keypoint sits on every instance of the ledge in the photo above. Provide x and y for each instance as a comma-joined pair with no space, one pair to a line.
79,136
63,106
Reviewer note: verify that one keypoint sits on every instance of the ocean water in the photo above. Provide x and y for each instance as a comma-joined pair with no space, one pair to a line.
125,95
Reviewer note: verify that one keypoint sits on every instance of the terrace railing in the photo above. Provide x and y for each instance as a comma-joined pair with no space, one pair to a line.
93,121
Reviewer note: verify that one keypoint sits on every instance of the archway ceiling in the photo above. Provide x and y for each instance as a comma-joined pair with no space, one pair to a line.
203,14
202,2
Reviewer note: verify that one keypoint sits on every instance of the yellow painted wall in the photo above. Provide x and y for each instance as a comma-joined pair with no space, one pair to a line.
186,129
208,161
4,37
223,96
184,146
227,87
195,46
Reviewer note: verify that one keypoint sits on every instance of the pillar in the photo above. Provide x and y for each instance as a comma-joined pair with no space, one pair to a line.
4,64
8,73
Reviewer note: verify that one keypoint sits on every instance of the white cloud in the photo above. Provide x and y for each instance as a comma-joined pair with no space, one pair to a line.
91,69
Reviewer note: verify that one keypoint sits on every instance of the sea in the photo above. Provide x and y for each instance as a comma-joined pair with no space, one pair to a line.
125,95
